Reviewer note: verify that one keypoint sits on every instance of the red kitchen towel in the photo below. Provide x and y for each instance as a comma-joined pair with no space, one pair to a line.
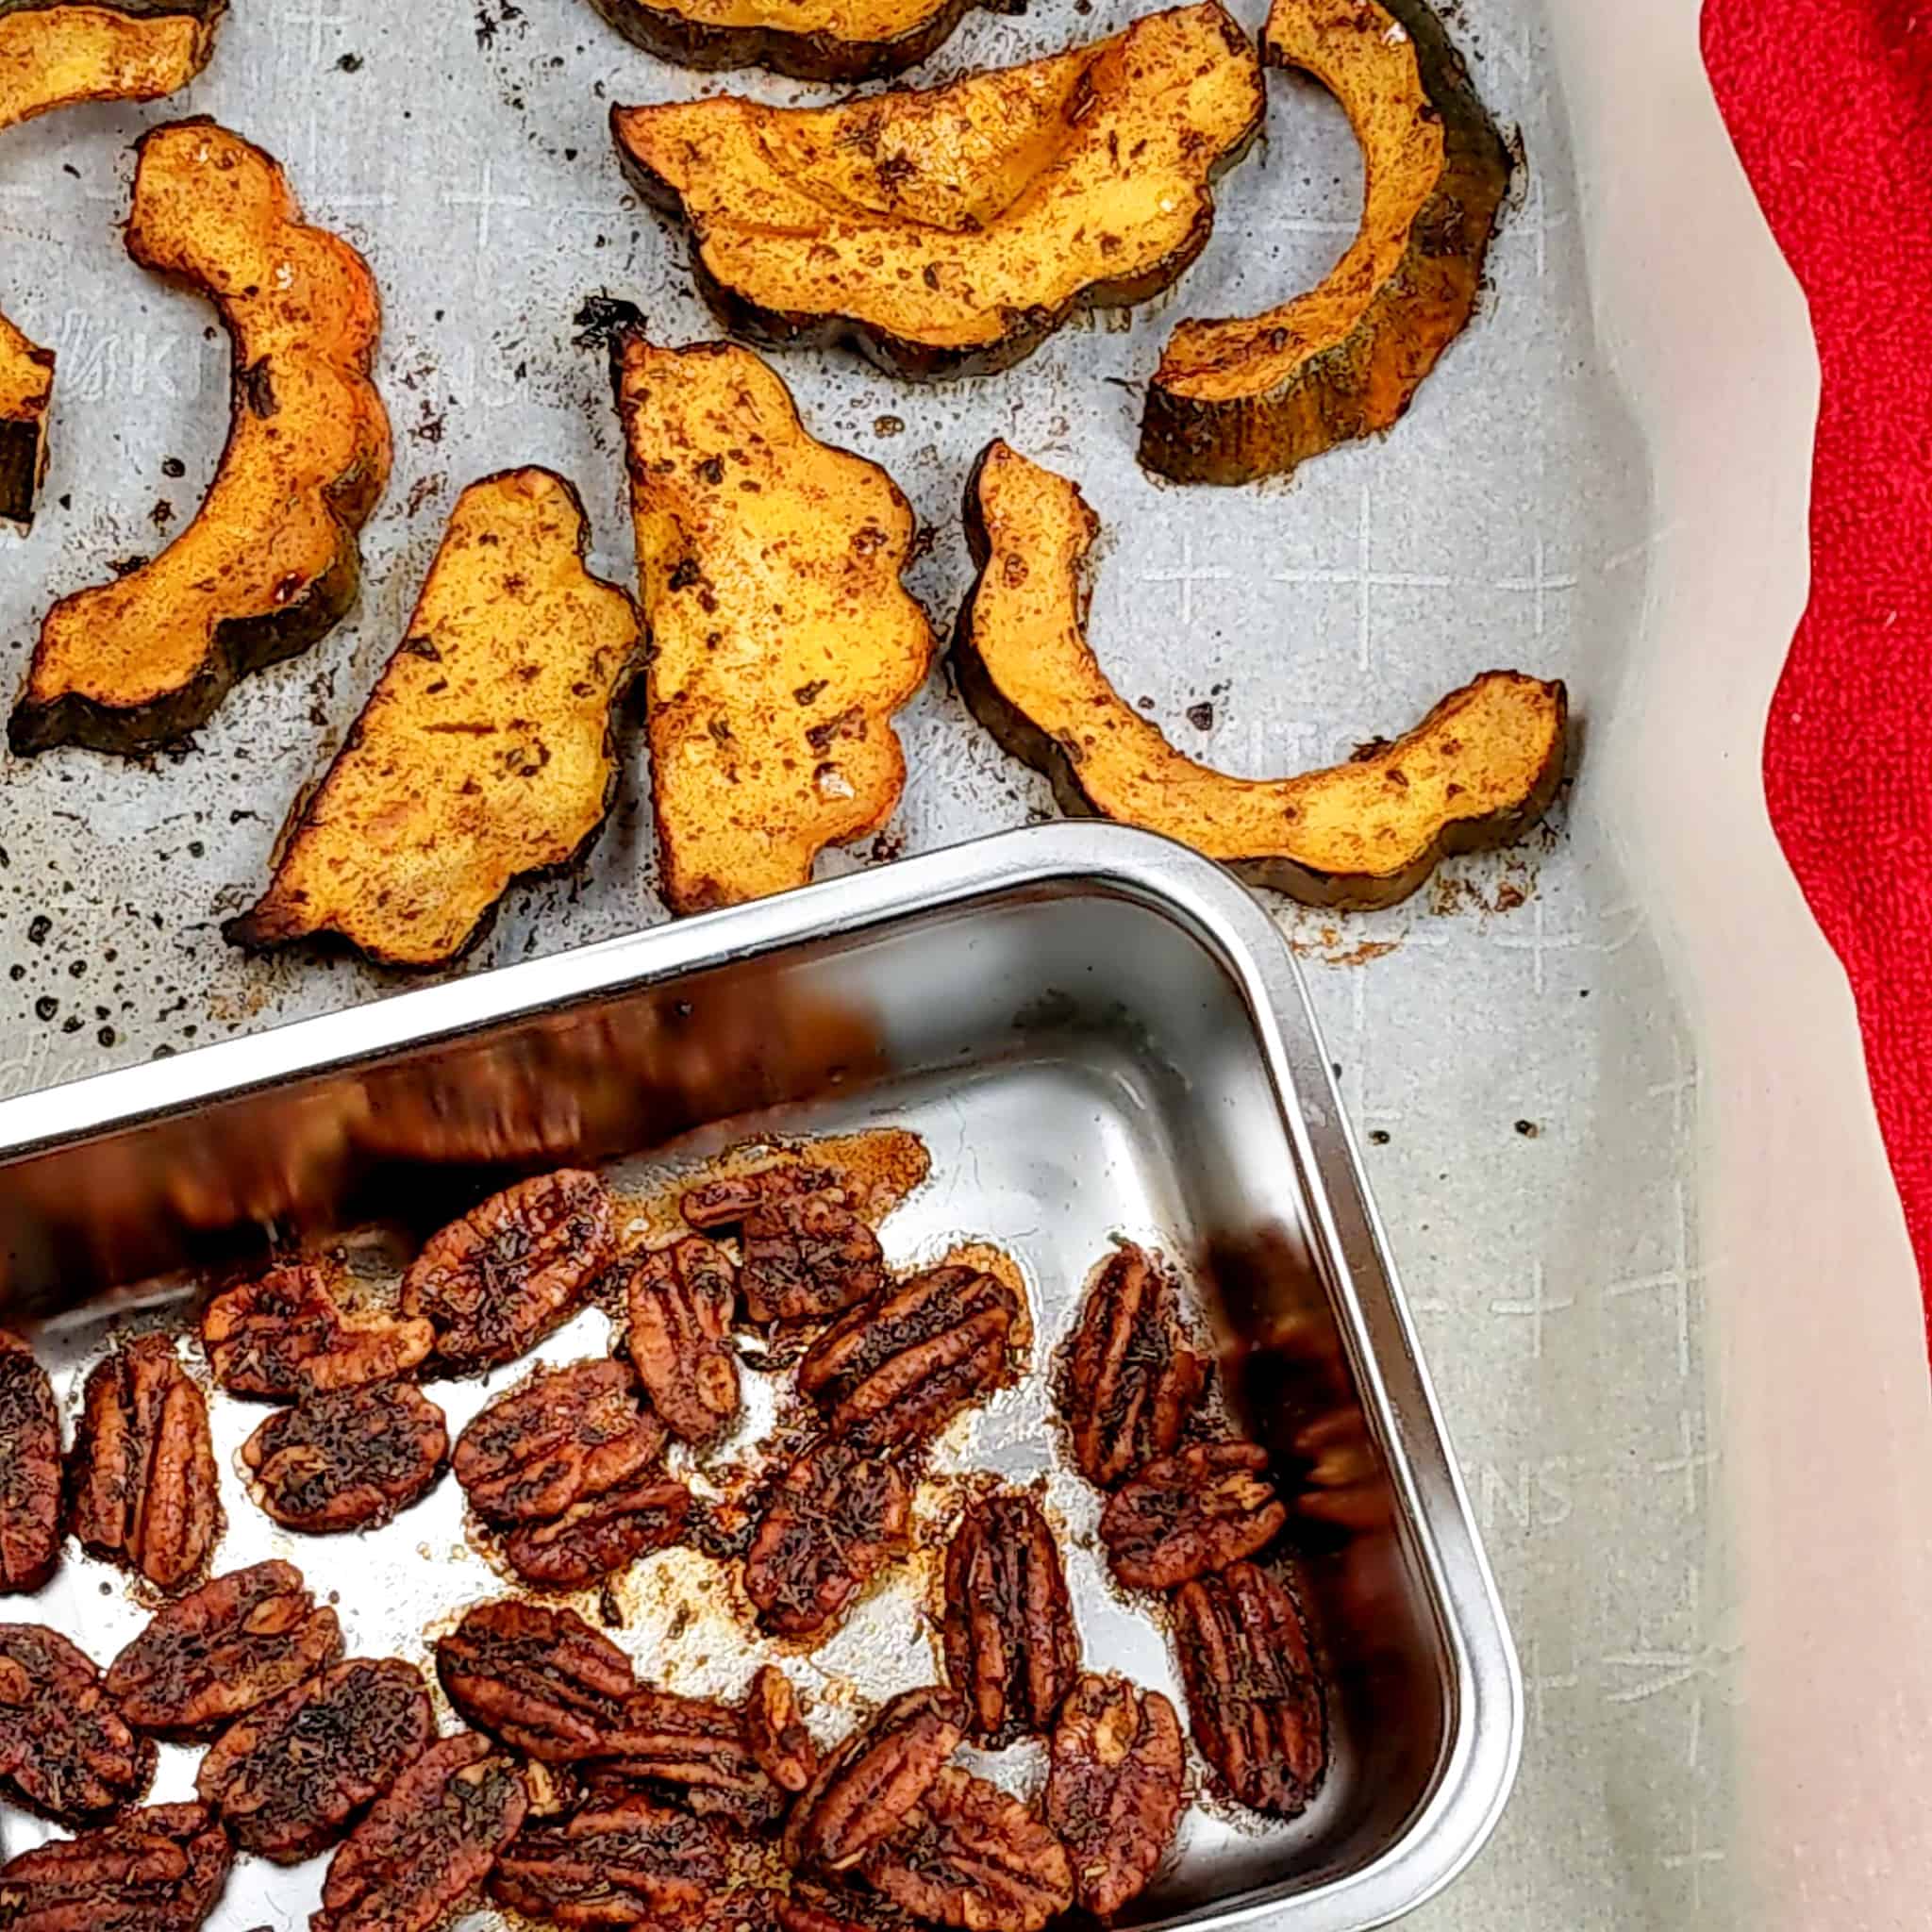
1830,105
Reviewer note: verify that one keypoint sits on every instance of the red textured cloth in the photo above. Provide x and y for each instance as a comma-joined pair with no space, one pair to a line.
1830,105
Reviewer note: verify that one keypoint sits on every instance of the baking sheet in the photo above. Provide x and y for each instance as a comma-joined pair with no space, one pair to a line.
1527,1085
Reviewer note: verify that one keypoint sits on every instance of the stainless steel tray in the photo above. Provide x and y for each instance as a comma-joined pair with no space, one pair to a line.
1096,1034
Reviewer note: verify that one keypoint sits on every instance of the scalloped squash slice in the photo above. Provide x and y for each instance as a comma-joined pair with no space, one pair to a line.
55,54
950,230
483,756
809,40
780,639
26,382
1478,771
270,561
1239,399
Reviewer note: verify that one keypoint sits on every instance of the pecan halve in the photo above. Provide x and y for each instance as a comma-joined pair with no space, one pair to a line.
687,1751
29,1471
836,1518
898,1367
1255,1704
1115,1790
235,1643
970,1855
1011,1646
806,1253
680,1301
1127,1379
427,1842
287,1778
562,1436
808,1907
160,1870
349,1460
541,1679
775,1729
65,1751
143,1476
496,1282
286,1337
1211,1506
629,1862
596,1538
873,1779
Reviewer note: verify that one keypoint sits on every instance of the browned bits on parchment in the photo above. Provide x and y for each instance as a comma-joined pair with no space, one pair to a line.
143,1476
1128,1380
1255,1704
235,1643
806,1253
626,1863
1115,1791
428,1843
349,1460
775,1729
65,1751
496,1282
160,1870
867,1785
970,1855
687,1751
287,1778
1208,1506
897,1368
286,1337
1011,1649
29,1471
541,1679
599,1536
836,1518
680,1301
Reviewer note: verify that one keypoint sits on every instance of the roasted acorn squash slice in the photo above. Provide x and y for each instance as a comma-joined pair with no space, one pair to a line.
26,381
1478,771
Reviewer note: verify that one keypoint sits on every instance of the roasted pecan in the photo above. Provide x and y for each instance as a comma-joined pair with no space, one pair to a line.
348,1459
562,1436
29,1471
65,1751
500,1279
1208,1506
1011,1649
775,1729
541,1680
599,1536
969,1855
807,1254
286,1337
626,1863
810,1908
287,1778
897,1367
836,1517
235,1643
160,1870
1128,1381
144,1482
680,1301
1114,1793
1255,1704
873,1779
428,1843
687,1751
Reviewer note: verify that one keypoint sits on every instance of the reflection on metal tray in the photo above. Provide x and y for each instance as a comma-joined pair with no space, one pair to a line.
1096,1034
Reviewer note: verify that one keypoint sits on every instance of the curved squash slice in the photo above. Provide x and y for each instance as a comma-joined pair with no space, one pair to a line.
270,561
1240,399
484,754
809,40
781,638
26,382
1478,771
951,231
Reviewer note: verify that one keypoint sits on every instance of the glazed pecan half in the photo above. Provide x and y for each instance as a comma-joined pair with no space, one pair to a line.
680,1301
541,1679
626,1863
1115,1791
806,1253
874,1777
286,1337
687,1751
160,1870
810,1908
65,1751
775,1730
836,1518
1254,1702
349,1460
601,1535
1200,1510
29,1471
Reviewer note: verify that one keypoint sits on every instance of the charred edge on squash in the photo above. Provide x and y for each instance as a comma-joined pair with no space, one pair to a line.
1322,402
23,429
207,11
819,56
1020,737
